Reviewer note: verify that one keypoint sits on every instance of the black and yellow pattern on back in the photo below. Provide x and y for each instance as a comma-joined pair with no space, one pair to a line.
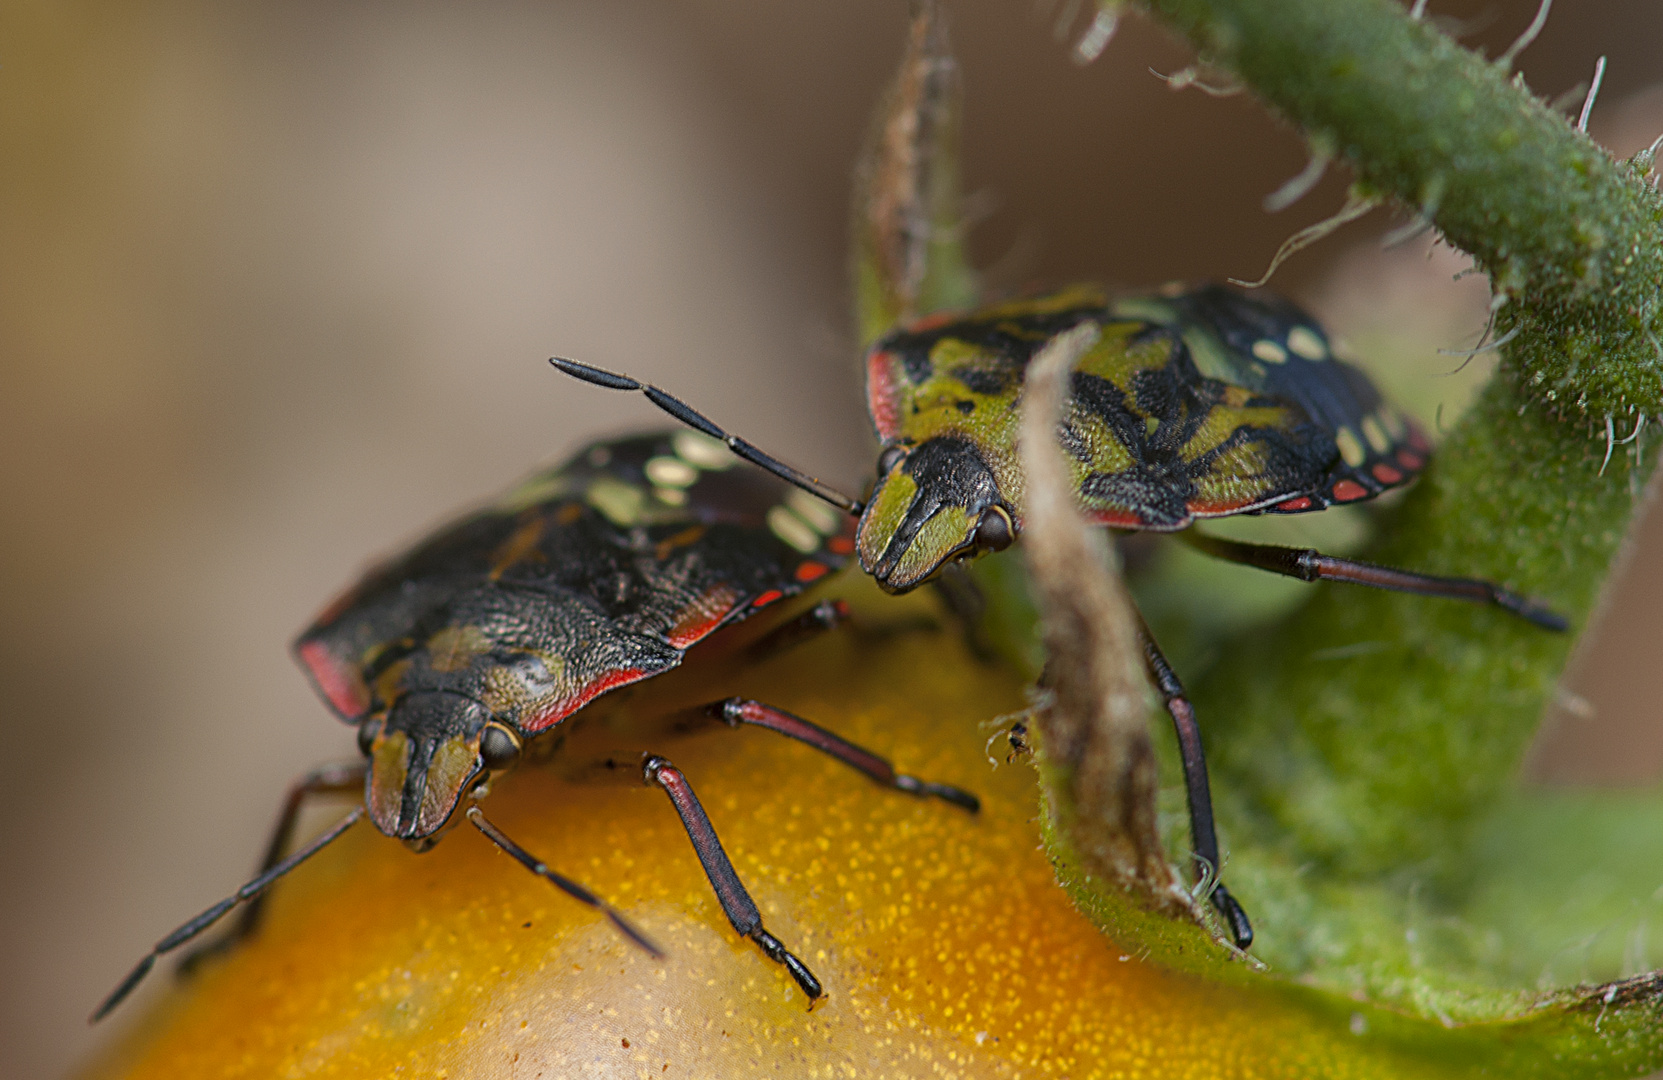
589,576
1191,404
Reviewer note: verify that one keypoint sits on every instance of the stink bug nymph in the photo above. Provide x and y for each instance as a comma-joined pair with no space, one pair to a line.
1192,404
593,575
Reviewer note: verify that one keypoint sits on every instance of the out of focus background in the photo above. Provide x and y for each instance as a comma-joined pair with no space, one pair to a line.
278,280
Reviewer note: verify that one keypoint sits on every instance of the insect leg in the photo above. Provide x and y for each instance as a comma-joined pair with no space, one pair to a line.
248,892
966,604
699,422
339,778
1202,834
826,615
736,903
735,711
1308,565
561,882
835,614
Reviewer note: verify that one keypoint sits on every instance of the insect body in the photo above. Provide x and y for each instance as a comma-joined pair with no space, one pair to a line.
587,577
595,575
1192,404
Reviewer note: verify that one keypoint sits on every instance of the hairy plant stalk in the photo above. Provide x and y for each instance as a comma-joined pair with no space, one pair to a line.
1569,236
909,255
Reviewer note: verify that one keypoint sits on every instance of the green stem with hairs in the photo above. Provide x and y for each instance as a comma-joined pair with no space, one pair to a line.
1569,236
1366,751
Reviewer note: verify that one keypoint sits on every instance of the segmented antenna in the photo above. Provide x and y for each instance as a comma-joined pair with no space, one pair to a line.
699,422
197,925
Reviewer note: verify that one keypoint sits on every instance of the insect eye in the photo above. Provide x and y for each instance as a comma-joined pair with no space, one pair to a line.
498,746
367,731
995,531
890,458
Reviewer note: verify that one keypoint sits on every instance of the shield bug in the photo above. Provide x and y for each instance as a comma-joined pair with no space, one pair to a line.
1192,404
590,576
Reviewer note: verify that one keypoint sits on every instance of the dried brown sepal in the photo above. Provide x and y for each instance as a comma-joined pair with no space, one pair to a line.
1093,724
909,258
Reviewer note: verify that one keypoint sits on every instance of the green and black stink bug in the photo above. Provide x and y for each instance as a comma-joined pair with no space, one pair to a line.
595,574
1192,404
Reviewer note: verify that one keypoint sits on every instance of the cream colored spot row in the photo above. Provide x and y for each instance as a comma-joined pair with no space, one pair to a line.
621,503
1376,435
697,448
825,518
1351,449
1305,342
670,472
1270,352
792,529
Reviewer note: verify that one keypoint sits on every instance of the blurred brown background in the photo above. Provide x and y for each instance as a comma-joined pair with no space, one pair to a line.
277,281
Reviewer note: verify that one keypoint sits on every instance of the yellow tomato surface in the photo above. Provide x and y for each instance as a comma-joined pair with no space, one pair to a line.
946,947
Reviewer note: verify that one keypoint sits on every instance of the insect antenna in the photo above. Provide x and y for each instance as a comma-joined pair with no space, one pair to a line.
564,884
699,422
197,925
